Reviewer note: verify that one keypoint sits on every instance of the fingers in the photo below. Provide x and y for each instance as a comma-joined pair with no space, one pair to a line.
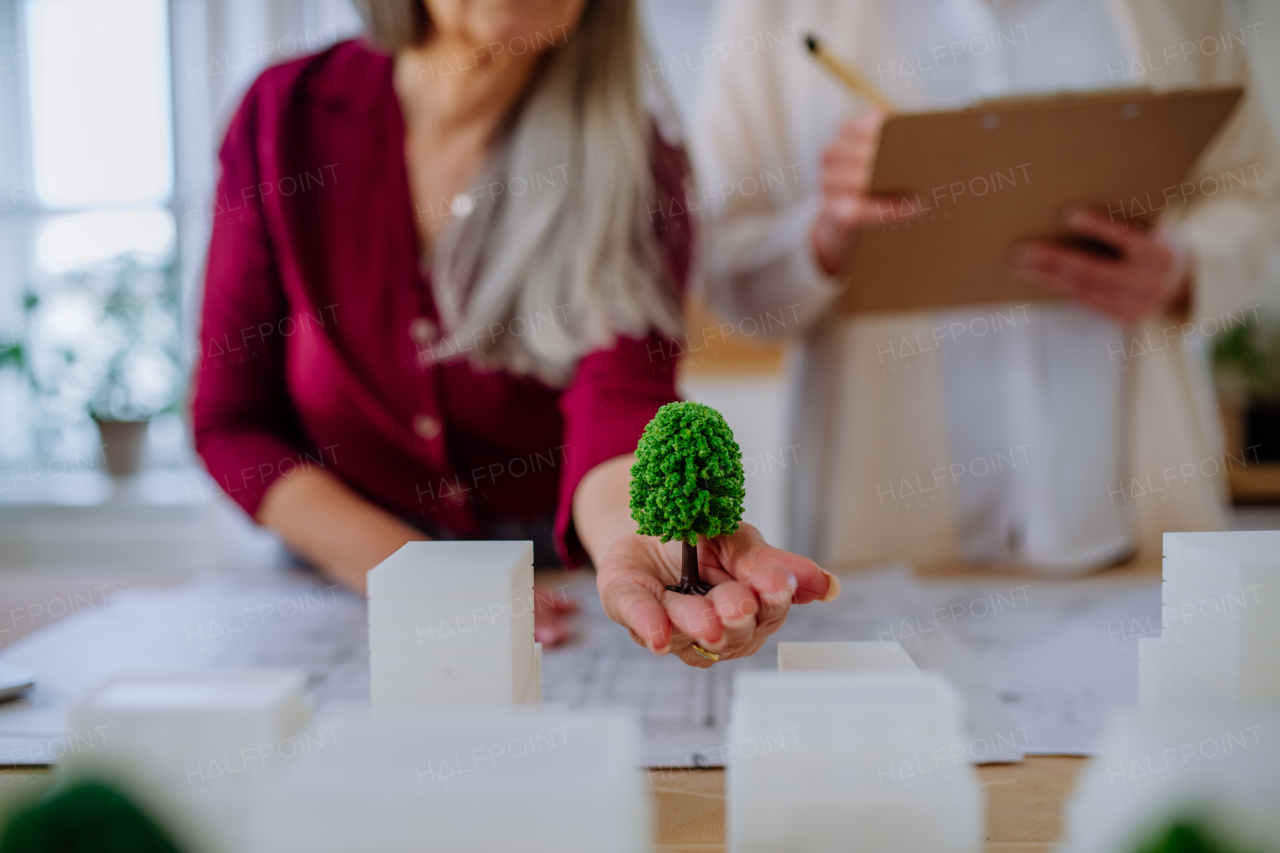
639,610
754,586
805,596
550,599
725,620
695,617
850,179
694,620
735,606
1117,304
849,211
776,588
862,132
1092,224
551,609
1149,265
1068,264
662,620
846,172
856,139
870,121
776,578
551,629
747,557
855,156
631,581
1116,288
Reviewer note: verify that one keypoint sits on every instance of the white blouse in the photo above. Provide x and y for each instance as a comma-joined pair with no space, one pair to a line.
1002,445
1042,392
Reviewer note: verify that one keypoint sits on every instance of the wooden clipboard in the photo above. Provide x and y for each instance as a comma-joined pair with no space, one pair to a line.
986,176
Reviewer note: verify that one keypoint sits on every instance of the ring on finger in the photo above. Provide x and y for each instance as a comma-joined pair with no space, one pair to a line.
711,656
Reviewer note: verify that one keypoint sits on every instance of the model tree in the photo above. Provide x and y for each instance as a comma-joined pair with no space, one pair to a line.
687,482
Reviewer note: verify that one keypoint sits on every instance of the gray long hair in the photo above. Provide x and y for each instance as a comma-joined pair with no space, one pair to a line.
534,280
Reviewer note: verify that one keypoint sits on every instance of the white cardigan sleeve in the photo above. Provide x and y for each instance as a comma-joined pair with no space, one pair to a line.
1235,225
761,195
1231,221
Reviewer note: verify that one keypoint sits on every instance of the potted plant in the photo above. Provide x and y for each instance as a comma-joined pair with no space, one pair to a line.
108,346
687,482
1246,363
13,354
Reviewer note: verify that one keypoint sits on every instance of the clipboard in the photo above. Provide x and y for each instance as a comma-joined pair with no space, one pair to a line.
1004,170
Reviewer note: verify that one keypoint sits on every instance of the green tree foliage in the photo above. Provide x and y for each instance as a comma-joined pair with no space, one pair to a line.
1250,353
687,481
1187,836
86,818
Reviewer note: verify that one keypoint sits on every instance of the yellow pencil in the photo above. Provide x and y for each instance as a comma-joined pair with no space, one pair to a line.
848,75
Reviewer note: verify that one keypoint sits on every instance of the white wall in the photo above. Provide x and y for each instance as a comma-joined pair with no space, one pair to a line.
753,407
1265,57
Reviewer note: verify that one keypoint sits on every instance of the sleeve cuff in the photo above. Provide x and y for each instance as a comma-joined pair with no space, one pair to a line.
613,397
770,267
244,466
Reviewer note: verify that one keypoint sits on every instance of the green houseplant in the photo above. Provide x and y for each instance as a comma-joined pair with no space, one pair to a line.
105,342
687,482
1246,361
13,354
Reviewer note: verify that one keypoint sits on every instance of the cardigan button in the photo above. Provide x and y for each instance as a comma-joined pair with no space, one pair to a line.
427,426
423,331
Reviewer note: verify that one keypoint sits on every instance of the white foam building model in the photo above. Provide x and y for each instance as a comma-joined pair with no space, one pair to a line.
1220,644
187,746
1149,674
464,780
860,655
1215,771
836,761
451,623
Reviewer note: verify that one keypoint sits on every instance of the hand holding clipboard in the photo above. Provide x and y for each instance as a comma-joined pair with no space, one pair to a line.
969,184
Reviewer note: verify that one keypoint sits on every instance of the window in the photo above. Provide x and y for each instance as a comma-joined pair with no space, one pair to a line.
101,122
91,285
101,127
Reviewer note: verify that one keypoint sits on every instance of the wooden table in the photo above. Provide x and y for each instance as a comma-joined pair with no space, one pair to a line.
1024,803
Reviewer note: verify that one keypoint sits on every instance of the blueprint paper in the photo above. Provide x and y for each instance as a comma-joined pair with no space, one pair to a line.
1040,665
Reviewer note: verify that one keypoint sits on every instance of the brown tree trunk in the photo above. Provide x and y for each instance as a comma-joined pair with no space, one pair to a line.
690,581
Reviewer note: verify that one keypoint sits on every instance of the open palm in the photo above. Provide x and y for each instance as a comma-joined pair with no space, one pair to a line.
754,588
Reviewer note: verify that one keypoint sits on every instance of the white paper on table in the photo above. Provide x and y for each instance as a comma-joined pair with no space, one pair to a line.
1039,665
216,625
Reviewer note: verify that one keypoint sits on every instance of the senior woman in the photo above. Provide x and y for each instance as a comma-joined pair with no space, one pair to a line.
436,305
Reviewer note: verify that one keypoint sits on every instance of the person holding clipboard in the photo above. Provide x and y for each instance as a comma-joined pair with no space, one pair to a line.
1034,433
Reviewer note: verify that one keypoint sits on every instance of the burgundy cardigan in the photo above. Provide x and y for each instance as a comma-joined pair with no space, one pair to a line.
316,316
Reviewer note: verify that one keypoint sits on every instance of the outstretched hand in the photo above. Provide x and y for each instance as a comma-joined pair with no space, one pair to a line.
754,588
